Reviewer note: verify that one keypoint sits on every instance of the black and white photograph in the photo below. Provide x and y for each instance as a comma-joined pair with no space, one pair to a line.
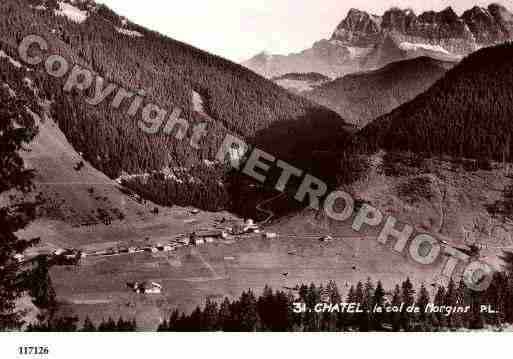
255,166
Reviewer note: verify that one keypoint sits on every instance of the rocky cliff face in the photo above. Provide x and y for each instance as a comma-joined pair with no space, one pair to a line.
477,27
359,29
491,25
364,41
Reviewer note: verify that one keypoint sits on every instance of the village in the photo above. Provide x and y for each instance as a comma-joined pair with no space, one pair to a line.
225,233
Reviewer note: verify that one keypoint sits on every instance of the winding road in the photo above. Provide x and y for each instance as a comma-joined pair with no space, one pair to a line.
266,211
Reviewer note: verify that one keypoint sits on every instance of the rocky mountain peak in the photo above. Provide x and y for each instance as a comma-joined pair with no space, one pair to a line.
396,19
489,25
359,28
503,17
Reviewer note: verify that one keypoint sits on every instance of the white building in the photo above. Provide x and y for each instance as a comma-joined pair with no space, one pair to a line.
147,288
270,235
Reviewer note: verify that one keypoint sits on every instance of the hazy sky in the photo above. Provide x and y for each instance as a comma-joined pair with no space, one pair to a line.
239,29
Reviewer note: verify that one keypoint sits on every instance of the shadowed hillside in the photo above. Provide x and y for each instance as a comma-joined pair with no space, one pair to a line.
362,97
466,114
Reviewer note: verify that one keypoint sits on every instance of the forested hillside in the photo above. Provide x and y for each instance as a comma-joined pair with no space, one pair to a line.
361,97
466,114
237,100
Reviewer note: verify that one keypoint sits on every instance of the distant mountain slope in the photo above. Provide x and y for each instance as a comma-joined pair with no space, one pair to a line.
300,82
362,97
364,41
330,58
468,113
170,73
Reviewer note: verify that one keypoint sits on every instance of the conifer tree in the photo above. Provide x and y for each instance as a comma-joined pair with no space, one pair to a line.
396,303
422,301
451,298
225,315
440,301
248,313
17,129
210,316
408,299
379,301
88,325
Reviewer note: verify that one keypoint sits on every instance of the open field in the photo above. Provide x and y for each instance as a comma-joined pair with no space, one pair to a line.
97,287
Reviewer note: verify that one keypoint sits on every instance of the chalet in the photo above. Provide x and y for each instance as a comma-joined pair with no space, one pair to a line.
270,235
248,226
67,257
168,248
198,241
123,249
146,288
326,239
59,251
185,241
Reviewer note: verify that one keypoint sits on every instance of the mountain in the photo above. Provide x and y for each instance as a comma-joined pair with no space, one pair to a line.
325,56
465,114
171,74
364,41
361,97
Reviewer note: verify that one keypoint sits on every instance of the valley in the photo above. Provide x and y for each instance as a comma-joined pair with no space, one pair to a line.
410,119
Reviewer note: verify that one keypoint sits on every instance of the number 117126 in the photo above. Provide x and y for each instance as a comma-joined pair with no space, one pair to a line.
33,350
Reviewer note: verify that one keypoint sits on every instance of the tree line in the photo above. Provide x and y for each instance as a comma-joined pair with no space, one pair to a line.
273,310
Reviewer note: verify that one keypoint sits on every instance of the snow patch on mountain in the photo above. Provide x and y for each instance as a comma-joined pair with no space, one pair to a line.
358,51
198,103
131,33
71,12
354,51
408,46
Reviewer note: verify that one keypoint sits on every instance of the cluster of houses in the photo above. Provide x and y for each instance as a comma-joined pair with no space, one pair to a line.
230,233
73,256
64,256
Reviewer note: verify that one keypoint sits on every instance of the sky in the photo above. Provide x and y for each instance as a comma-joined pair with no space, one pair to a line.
239,29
